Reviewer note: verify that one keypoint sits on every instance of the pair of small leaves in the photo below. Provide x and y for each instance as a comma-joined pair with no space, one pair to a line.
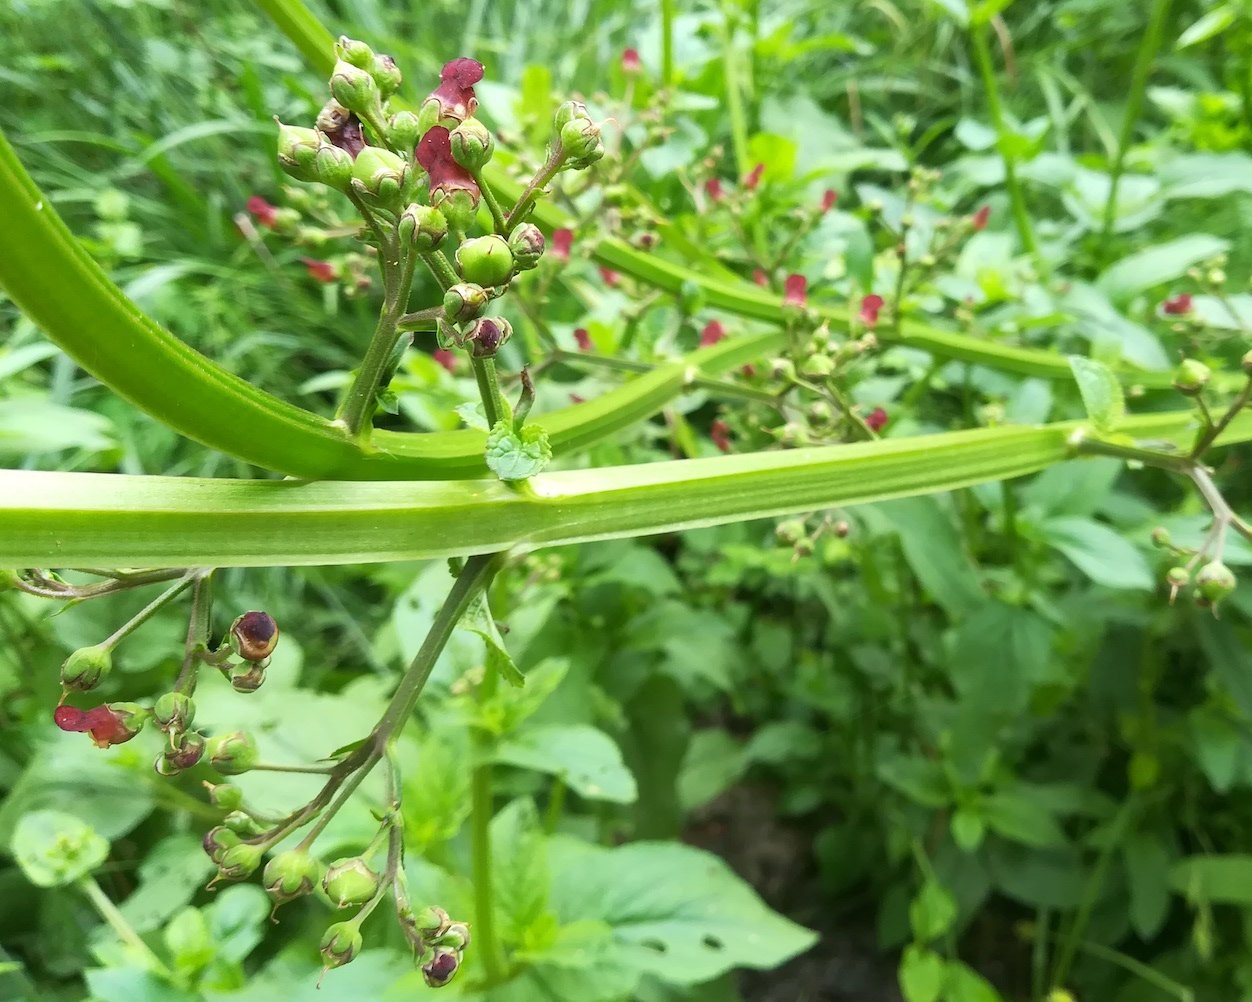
517,454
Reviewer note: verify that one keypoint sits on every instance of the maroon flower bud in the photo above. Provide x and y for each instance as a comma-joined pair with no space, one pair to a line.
320,271
264,213
527,243
217,840
253,636
630,62
876,420
185,750
712,333
719,431
562,241
109,724
828,200
795,291
760,277
454,97
610,277
488,335
754,177
341,128
713,188
582,339
445,358
870,306
981,217
434,153
442,967
1177,306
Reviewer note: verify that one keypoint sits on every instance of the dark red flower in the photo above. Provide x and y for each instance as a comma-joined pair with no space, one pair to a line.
434,152
445,358
455,92
107,724
713,188
754,177
876,420
630,61
870,306
759,277
562,240
979,222
582,338
828,199
748,371
1177,305
719,431
321,271
342,128
611,278
265,213
712,333
795,290
576,399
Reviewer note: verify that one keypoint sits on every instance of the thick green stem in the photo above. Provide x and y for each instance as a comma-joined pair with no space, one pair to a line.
480,846
493,205
991,87
1148,48
734,101
556,159
494,406
667,43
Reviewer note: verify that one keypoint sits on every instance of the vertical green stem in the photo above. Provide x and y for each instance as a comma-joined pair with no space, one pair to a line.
991,86
117,922
667,43
1148,48
480,845
494,406
734,100
493,205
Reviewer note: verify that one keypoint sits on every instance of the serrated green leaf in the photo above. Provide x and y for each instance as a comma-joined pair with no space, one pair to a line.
514,456
1101,392
54,848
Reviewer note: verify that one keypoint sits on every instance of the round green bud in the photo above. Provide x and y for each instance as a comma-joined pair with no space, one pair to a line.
225,797
340,944
1178,577
174,712
582,143
233,754
782,368
527,243
423,226
485,260
218,840
458,206
472,144
239,861
349,881
305,155
790,532
404,130
386,75
1161,537
354,88
817,366
253,636
432,922
248,677
569,112
84,669
820,413
463,302
379,171
185,750
242,824
1214,582
1191,376
290,875
442,967
354,51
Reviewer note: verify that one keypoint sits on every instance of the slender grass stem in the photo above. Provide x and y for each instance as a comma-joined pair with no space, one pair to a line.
117,922
480,844
667,43
734,101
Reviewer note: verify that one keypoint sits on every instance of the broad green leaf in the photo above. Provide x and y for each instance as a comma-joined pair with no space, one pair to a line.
921,780
921,975
1101,392
1229,659
1000,654
520,869
1161,263
1014,815
963,984
133,984
584,757
676,911
238,918
188,941
777,153
1147,876
967,829
1213,879
1076,488
36,426
436,770
54,848
1038,878
932,912
1207,175
714,761
517,456
169,877
1102,554
935,554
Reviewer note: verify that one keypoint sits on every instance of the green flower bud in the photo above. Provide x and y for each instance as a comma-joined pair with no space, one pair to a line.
248,677
463,302
1178,577
84,669
289,875
232,754
423,226
782,368
485,260
404,130
349,881
817,366
354,51
239,861
8,580
455,937
1214,582
340,944
458,206
580,139
185,750
217,840
253,636
569,112
1191,377
386,75
174,712
431,922
355,89
790,532
381,175
225,797
442,967
1161,537
488,335
306,156
472,144
527,243
242,824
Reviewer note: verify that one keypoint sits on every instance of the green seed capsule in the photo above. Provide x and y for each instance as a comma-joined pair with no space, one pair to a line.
86,667
485,261
349,881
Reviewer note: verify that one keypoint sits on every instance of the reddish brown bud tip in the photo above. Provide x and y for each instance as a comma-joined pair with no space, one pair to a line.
254,635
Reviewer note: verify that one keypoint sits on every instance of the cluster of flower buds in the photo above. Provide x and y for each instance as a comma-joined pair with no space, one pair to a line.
795,533
578,136
1212,583
174,714
252,638
438,943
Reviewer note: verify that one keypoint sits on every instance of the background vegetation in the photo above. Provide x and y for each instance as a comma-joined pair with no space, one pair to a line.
965,738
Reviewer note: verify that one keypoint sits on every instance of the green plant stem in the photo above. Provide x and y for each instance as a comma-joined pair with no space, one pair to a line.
667,43
494,406
117,922
357,410
48,588
147,612
734,100
493,205
991,88
1215,428
198,625
1148,48
526,199
441,268
720,387
482,811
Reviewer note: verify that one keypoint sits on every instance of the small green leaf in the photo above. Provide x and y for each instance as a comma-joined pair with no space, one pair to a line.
514,456
932,912
479,620
1209,26
1159,264
1147,875
1017,817
584,757
968,830
1101,392
963,984
921,975
1099,552
54,848
1218,880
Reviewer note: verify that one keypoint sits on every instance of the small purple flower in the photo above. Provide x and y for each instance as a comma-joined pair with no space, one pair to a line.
434,153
